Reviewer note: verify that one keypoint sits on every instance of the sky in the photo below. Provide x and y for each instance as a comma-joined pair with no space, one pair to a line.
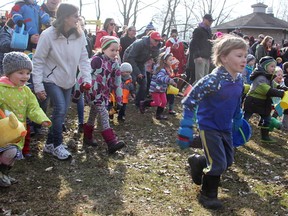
109,8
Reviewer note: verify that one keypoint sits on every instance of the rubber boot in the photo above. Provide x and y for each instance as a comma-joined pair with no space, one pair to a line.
159,114
88,135
112,141
5,179
209,192
265,136
144,104
197,163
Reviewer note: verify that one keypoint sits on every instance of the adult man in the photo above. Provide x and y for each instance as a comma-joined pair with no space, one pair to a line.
201,47
137,54
127,40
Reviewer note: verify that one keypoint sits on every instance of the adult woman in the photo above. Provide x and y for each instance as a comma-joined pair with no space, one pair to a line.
178,51
108,29
127,40
61,48
263,48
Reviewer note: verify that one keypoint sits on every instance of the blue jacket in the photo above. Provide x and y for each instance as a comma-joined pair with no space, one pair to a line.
218,98
32,15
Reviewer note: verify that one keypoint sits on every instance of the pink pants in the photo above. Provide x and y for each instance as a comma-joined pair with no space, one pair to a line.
159,99
8,157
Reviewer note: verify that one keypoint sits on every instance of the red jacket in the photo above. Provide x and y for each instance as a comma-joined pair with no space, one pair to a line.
99,35
178,52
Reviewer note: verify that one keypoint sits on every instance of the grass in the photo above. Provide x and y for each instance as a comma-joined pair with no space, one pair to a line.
149,177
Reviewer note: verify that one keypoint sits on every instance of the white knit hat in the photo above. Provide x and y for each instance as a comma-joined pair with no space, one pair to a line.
126,67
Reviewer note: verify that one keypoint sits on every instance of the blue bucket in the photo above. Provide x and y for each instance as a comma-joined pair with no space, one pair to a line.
242,136
19,39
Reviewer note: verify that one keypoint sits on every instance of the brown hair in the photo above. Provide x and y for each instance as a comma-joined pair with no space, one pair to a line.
162,61
265,41
106,24
64,11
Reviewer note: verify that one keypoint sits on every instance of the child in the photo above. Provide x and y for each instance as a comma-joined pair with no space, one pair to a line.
258,99
158,86
215,100
30,14
171,97
279,62
19,99
127,88
105,78
249,68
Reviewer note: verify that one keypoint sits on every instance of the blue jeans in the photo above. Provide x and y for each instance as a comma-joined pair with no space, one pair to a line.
60,100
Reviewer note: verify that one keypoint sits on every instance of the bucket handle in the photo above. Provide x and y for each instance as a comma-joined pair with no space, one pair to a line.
243,135
183,81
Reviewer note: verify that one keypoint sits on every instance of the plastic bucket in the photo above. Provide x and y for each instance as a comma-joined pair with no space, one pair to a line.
274,123
242,136
19,39
172,90
284,101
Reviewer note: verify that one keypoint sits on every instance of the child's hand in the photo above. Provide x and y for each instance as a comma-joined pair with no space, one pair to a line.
46,123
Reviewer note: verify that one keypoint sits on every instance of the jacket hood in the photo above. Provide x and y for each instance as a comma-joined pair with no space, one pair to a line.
259,71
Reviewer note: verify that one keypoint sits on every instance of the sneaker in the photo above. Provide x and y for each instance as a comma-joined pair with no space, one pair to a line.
48,148
4,180
172,112
80,128
61,153
12,180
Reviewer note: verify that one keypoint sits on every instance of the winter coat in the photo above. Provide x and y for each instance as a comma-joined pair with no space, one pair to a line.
5,41
32,15
56,60
138,53
22,102
258,99
106,77
127,88
160,81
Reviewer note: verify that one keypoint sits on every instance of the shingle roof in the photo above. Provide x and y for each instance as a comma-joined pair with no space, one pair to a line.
255,21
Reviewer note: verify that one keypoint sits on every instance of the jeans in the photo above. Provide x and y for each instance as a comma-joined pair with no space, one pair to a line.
60,99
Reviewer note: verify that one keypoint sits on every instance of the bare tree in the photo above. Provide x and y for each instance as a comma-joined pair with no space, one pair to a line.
130,9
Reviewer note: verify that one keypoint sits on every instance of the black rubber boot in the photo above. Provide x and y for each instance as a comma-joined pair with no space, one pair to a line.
159,114
265,138
197,163
144,104
209,192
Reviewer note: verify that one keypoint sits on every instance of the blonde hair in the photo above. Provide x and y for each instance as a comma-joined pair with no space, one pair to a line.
224,45
162,61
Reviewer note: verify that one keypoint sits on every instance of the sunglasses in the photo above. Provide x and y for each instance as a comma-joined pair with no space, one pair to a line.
112,24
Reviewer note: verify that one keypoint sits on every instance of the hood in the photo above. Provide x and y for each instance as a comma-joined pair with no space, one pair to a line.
259,71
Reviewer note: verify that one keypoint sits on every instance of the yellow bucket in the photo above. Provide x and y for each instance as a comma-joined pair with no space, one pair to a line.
284,101
172,90
246,88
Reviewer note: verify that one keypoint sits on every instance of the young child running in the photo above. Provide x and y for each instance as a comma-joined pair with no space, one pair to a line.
215,100
158,87
17,98
105,78
258,99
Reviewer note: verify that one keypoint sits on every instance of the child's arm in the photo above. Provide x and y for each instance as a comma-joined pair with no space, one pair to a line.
44,17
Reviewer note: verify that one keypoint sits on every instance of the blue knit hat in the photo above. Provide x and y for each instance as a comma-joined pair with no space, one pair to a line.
150,26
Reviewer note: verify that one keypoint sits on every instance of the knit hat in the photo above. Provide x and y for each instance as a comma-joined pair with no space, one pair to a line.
150,26
126,67
14,61
106,40
250,57
265,61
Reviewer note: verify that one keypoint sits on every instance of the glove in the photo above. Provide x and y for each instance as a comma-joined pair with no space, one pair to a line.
20,23
85,87
238,121
185,131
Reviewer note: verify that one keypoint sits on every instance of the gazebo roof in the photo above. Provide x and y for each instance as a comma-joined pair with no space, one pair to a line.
255,20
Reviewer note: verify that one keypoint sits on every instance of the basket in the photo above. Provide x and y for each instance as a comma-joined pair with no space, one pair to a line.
19,39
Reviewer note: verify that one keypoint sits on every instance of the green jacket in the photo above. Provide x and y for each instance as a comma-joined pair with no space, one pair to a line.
22,102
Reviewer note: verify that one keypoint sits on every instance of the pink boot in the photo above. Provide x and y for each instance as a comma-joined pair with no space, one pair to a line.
111,140
88,135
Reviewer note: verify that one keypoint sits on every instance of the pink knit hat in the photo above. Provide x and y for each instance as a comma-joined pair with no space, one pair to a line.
106,40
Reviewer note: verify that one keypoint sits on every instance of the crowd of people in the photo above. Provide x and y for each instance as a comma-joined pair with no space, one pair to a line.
106,71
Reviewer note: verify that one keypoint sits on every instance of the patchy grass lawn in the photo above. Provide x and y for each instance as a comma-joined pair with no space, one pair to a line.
149,177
